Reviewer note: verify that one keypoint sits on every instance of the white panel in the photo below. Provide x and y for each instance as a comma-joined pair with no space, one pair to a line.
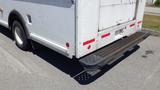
111,15
110,2
127,31
5,7
87,25
54,22
140,12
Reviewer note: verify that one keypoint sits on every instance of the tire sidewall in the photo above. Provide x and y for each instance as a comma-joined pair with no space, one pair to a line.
23,37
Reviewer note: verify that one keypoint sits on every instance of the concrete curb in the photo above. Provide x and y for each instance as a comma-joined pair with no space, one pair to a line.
155,10
152,32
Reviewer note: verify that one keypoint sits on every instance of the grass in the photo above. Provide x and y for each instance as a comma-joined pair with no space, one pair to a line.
151,22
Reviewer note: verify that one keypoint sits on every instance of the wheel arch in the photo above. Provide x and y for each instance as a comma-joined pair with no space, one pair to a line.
15,15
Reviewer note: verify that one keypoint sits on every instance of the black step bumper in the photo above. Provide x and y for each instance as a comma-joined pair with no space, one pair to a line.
112,52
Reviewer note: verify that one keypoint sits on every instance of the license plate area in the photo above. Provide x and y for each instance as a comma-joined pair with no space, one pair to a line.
119,32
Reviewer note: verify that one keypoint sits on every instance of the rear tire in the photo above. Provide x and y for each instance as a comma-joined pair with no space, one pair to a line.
20,36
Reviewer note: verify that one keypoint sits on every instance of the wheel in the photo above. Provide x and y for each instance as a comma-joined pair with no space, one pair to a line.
20,36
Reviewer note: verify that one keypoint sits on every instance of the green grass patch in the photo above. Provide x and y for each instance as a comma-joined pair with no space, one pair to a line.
157,3
151,22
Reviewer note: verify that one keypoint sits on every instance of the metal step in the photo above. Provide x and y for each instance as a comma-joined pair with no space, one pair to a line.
112,52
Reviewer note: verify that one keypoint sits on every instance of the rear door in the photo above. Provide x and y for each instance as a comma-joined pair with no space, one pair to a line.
115,12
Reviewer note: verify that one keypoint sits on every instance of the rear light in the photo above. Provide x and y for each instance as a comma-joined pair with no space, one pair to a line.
89,47
105,35
88,42
67,45
132,25
139,22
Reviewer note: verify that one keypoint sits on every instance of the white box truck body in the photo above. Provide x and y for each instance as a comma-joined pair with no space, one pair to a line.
74,28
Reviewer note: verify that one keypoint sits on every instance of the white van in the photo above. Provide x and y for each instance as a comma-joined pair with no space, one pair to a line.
75,28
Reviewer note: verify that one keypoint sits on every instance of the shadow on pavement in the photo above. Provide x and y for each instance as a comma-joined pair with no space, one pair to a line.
6,32
68,66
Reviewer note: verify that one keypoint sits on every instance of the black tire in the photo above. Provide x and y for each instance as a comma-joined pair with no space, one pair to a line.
20,36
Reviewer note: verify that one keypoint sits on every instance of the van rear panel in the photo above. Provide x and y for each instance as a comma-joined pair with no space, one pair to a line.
101,22
115,12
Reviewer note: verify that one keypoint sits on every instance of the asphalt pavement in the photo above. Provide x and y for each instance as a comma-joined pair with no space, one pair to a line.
45,69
